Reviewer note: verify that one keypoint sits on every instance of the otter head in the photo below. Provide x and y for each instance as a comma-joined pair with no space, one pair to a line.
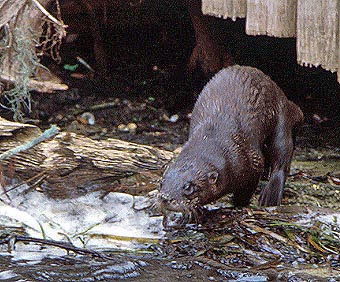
186,187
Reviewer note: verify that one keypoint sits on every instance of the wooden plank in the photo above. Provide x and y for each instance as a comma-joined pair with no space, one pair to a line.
257,16
213,7
318,33
225,8
235,9
273,18
282,18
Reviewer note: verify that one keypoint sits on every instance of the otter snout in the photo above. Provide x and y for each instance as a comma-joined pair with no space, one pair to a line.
176,213
174,220
170,204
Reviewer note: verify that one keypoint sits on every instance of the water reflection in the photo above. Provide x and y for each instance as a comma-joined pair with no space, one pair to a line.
68,268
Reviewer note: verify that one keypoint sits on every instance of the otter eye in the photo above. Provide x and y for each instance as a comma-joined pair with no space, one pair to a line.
212,177
189,189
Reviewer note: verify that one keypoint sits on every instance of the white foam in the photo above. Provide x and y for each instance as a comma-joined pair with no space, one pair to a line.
7,274
333,218
85,221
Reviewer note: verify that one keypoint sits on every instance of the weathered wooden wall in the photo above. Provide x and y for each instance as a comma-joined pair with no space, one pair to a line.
315,24
318,39
225,9
273,18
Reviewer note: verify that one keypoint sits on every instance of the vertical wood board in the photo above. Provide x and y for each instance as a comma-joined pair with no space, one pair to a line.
225,8
273,18
318,33
282,18
257,16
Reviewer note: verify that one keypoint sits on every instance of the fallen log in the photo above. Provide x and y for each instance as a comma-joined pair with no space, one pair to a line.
39,85
70,165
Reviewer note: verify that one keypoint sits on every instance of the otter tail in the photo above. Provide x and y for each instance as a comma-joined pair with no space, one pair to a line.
295,114
296,119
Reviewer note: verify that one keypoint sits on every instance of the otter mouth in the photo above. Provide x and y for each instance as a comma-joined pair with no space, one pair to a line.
175,220
178,214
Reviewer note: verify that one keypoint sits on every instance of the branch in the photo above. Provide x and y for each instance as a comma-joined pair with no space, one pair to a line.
54,130
40,86
47,14
60,244
72,164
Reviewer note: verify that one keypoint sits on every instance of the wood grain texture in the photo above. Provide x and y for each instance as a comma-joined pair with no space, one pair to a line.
70,164
225,8
318,33
273,18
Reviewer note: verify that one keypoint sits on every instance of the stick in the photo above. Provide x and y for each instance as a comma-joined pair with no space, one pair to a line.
60,244
40,177
40,86
54,130
47,14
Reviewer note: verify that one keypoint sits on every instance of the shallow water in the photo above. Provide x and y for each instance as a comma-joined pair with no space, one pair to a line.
122,268
130,234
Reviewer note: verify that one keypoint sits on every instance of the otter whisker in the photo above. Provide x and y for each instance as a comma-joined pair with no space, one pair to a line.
155,205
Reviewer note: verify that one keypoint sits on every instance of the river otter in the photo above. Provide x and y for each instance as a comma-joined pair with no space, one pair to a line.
241,122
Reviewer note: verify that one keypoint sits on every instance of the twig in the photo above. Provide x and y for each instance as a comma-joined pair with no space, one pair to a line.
47,14
54,130
3,184
41,176
7,30
84,63
273,235
63,245
33,84
96,107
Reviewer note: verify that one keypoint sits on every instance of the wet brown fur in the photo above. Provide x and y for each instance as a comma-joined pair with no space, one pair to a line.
240,121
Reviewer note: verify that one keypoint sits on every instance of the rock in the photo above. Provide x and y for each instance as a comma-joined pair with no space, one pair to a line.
89,118
165,117
174,118
132,127
123,128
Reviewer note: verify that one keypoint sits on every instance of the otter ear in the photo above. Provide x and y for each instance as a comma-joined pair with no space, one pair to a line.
212,177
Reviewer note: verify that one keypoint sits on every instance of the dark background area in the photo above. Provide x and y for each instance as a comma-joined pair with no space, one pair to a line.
148,46
159,33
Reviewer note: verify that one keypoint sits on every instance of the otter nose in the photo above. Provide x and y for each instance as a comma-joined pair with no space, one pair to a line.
164,198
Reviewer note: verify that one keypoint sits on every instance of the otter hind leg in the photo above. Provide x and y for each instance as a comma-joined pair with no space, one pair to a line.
266,168
280,151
